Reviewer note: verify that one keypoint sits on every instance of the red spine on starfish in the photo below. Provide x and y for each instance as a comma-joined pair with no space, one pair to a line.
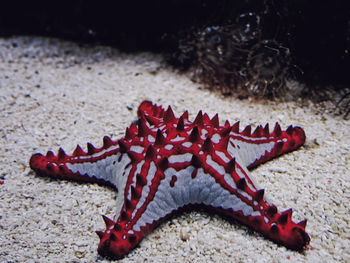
164,163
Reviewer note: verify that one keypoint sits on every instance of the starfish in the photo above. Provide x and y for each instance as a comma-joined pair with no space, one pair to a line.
164,163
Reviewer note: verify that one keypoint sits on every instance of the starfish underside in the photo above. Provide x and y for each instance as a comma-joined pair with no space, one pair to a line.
164,163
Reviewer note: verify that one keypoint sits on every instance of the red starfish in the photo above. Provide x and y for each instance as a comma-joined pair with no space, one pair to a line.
164,163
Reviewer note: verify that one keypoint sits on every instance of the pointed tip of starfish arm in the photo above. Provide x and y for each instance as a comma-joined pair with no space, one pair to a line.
299,135
287,233
36,161
115,244
45,165
145,106
299,240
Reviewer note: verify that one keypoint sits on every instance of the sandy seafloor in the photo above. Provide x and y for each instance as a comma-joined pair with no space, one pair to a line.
55,93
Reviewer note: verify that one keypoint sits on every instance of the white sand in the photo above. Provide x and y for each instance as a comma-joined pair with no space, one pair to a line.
56,94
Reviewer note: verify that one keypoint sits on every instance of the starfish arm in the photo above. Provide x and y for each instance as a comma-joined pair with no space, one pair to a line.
253,148
262,146
95,166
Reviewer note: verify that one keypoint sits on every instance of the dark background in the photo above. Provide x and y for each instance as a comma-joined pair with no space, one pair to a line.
316,32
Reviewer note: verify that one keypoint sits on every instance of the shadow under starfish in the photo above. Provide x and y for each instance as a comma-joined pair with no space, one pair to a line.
164,163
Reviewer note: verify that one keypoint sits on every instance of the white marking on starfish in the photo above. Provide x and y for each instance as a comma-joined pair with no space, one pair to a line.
245,194
180,158
187,144
217,167
137,148
222,156
204,132
177,139
229,180
256,213
151,139
216,138
168,147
